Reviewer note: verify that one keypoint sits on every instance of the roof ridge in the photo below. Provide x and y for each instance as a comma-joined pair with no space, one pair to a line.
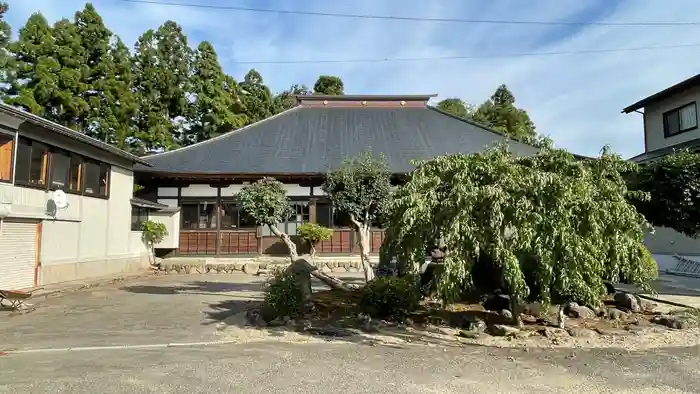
232,132
479,125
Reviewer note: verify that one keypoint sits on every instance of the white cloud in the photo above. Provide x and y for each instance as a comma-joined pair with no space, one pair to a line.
574,98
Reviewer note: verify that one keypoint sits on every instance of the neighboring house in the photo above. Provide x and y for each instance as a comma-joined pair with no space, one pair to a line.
670,123
297,147
92,236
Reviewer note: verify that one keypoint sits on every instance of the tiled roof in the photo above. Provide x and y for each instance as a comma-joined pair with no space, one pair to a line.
310,140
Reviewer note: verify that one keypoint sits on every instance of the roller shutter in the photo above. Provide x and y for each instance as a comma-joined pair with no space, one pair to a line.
18,253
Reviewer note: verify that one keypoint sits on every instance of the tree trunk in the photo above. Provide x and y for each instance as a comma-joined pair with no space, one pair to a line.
561,320
515,309
363,231
304,265
312,250
291,246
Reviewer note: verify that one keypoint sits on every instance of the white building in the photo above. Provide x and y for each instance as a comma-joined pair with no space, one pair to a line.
96,234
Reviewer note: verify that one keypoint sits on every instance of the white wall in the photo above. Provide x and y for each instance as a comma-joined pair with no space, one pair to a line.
654,120
89,229
167,194
171,220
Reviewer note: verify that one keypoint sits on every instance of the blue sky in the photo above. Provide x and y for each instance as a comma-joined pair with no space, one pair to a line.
576,99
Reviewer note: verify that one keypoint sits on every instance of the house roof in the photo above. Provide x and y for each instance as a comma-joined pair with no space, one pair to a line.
313,137
677,88
693,145
140,202
57,128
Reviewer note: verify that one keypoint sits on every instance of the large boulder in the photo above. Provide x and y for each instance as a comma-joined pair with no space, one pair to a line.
628,301
575,310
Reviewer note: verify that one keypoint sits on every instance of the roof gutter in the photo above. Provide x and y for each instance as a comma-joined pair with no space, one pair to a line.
39,121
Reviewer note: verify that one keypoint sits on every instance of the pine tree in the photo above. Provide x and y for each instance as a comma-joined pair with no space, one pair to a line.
5,37
161,64
215,109
67,105
256,97
33,75
501,114
108,80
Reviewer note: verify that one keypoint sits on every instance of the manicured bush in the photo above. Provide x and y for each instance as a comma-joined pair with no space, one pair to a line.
313,233
390,297
283,296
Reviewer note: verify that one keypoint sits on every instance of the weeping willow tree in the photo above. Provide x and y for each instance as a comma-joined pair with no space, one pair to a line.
551,227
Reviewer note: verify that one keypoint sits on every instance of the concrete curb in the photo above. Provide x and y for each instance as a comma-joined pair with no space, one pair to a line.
73,286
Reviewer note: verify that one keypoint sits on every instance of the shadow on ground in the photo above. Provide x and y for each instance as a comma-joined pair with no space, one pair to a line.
200,287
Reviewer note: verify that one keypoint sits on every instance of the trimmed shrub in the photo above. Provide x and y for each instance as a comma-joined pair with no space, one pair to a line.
313,233
390,297
283,296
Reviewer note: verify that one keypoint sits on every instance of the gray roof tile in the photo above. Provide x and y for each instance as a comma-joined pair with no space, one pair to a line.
312,140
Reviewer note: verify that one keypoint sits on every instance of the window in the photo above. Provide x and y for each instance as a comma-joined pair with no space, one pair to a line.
198,215
91,179
6,154
104,180
332,218
233,217
32,161
138,216
681,119
76,165
60,169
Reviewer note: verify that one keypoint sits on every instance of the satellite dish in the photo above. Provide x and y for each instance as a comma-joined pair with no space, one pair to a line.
59,198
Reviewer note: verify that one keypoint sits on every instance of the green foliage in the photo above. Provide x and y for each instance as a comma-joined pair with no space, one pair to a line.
282,296
552,226
256,97
327,84
215,109
5,36
673,185
648,270
153,232
161,62
390,296
33,77
265,201
313,233
360,187
107,81
287,100
500,113
456,107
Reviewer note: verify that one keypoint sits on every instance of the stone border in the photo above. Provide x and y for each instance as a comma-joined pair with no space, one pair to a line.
252,268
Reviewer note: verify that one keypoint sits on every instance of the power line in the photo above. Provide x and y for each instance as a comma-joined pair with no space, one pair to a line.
466,57
410,18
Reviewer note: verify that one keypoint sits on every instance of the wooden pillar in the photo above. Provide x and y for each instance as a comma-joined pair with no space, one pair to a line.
218,221
312,210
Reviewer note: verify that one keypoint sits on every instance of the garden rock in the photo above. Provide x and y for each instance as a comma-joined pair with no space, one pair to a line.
575,310
468,334
551,332
254,317
500,330
628,301
581,332
339,270
615,314
251,268
507,314
676,322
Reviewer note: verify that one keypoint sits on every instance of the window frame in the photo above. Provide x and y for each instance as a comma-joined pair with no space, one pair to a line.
47,172
139,210
677,112
239,214
198,202
13,142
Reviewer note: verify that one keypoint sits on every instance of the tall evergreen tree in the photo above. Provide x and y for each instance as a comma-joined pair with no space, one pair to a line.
162,62
215,109
456,107
67,105
256,97
5,37
108,80
33,76
328,84
500,113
